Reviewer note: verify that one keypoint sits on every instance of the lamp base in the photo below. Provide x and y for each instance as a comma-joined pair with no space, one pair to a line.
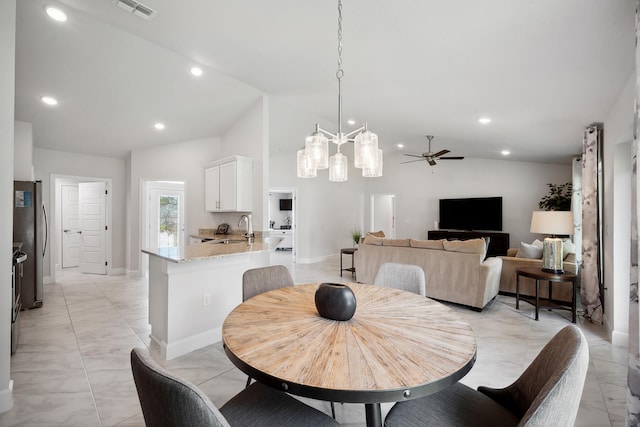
552,255
548,270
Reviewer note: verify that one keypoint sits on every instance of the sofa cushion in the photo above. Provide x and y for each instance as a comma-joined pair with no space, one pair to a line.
370,239
395,242
427,244
471,246
531,251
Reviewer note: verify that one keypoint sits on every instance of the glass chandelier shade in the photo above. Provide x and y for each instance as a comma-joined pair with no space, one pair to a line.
365,149
306,167
317,146
338,167
374,169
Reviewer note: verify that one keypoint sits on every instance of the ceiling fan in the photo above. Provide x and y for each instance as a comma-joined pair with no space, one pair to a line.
431,157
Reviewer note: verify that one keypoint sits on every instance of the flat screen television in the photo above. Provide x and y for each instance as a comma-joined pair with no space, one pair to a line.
476,213
286,204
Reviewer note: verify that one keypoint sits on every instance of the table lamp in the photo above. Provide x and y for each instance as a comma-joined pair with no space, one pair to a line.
553,223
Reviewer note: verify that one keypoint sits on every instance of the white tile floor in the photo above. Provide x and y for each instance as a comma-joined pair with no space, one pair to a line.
72,364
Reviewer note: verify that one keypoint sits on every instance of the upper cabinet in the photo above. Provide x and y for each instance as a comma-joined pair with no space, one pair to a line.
228,185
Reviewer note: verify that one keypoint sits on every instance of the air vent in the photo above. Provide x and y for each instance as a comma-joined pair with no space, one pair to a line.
138,9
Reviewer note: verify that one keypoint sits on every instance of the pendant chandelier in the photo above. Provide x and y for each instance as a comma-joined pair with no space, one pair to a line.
315,155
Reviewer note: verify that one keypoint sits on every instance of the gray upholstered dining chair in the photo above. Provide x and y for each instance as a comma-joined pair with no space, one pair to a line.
546,394
168,400
262,279
258,280
401,276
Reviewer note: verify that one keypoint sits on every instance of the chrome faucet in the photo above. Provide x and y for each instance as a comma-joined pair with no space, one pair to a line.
249,234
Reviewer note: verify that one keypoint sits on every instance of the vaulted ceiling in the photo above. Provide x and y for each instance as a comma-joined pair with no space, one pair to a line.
542,70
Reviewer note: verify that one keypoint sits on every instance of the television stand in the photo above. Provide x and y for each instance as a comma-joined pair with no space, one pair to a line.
498,242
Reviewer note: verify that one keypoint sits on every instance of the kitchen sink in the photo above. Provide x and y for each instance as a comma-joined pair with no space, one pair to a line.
226,241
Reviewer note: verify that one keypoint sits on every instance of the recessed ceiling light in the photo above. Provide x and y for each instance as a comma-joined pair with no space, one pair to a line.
505,152
196,71
400,145
159,126
351,122
484,120
49,100
55,13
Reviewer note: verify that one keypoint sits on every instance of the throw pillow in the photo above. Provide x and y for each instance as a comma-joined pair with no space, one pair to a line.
538,243
471,246
568,248
376,233
529,251
395,242
370,239
427,244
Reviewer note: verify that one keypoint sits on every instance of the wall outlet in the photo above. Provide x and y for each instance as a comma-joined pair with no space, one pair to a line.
206,300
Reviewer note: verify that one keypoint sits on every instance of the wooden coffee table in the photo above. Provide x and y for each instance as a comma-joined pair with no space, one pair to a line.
538,274
398,346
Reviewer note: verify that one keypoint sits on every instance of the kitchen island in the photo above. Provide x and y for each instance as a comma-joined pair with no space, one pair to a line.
193,288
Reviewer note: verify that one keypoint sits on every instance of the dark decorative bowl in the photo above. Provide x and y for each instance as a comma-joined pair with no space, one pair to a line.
335,301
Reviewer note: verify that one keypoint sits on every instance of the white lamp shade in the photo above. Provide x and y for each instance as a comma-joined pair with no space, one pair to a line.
338,167
305,166
365,149
552,222
317,146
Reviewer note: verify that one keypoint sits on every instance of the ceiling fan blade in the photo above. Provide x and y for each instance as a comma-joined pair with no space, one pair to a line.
451,158
431,161
412,155
441,153
411,161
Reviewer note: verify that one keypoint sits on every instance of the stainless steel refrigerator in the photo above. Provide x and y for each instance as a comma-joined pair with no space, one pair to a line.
30,228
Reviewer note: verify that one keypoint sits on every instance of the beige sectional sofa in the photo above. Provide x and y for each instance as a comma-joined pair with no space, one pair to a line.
561,291
455,271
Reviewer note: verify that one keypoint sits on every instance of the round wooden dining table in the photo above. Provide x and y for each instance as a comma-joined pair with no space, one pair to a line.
397,346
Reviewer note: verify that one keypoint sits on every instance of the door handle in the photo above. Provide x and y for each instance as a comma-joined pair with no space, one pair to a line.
66,230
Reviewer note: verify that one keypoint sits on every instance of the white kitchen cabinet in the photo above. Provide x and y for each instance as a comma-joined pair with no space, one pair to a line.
229,185
287,238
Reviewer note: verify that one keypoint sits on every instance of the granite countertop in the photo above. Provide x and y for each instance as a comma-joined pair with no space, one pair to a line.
205,251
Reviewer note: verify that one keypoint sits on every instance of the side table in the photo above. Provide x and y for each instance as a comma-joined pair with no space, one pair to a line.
538,274
348,251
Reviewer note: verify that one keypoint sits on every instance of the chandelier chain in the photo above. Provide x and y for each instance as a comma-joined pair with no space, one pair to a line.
340,72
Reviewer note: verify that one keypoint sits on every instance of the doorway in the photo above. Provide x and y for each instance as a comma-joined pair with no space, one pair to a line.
163,221
383,214
81,224
283,221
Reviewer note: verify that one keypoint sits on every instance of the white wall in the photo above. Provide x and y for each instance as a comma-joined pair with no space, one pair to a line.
618,134
48,162
327,212
181,161
248,137
7,96
23,152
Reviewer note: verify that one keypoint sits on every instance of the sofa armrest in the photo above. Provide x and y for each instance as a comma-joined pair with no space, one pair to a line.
512,252
489,279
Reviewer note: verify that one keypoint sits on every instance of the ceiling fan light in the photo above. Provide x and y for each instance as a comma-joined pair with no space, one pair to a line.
365,147
338,167
317,145
305,166
374,170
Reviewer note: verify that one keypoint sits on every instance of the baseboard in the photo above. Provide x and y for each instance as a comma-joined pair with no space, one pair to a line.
620,339
6,398
47,280
189,344
117,272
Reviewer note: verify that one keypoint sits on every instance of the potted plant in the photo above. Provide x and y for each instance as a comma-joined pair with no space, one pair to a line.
356,235
558,199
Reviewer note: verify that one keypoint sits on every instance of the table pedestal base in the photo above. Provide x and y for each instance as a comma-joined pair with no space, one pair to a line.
374,415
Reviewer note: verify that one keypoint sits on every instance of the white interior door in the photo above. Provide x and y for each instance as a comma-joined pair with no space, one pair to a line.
383,214
92,207
166,216
70,226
